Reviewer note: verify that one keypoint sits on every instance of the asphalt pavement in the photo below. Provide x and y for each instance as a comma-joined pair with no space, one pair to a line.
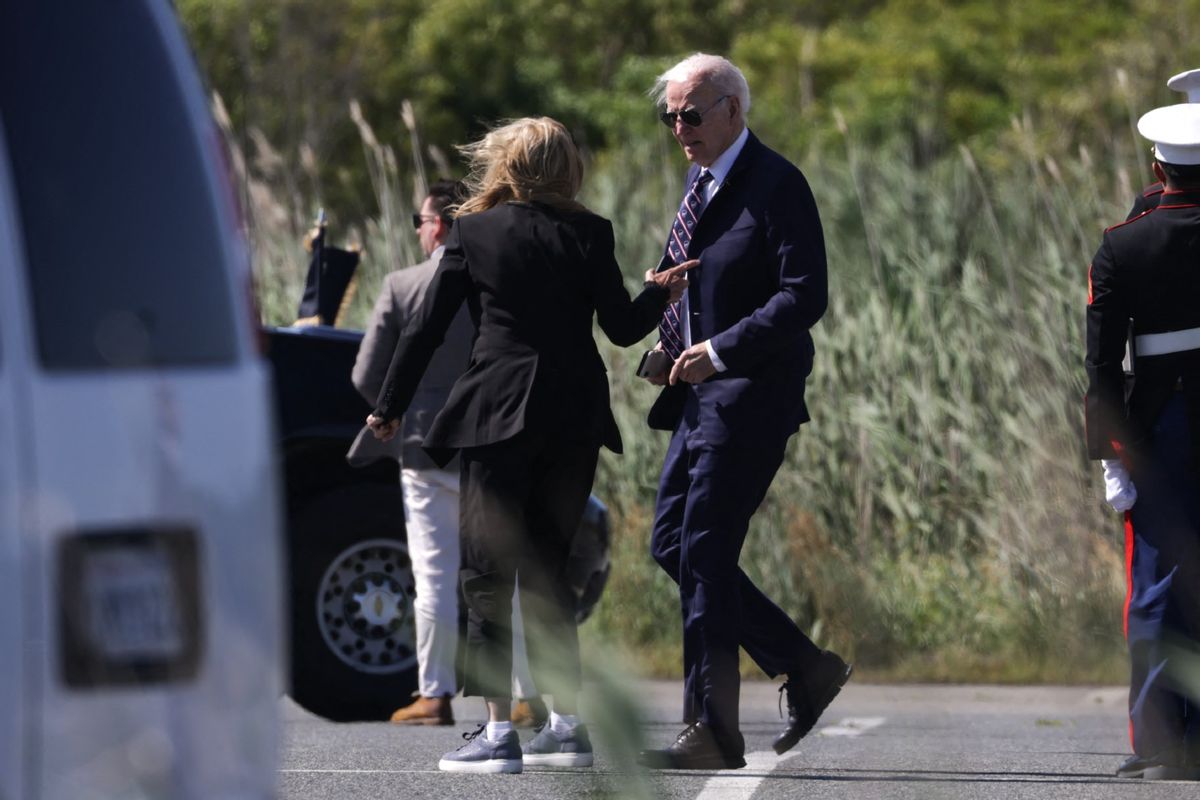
920,742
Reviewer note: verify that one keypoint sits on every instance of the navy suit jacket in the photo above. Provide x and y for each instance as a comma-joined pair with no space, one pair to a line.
761,284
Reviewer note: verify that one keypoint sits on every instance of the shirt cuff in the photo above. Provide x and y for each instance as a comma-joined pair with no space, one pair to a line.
712,355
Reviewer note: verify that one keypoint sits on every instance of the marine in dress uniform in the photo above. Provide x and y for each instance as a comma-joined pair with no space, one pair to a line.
1146,274
1189,83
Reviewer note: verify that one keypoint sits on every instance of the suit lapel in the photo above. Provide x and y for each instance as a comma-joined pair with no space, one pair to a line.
729,192
733,179
740,164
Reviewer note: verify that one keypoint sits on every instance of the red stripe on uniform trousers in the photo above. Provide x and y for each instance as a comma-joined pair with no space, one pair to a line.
1128,590
1128,570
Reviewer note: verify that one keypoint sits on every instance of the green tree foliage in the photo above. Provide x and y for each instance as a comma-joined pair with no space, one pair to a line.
940,74
932,73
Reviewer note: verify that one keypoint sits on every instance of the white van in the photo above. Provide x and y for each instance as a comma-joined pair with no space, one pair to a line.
140,572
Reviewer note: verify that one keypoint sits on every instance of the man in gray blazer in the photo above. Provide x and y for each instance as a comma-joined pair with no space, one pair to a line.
430,492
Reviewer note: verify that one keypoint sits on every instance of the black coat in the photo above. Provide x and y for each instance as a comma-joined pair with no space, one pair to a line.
532,277
1145,201
1147,271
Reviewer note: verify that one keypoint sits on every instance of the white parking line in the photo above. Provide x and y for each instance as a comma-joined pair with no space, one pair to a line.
853,726
356,771
739,785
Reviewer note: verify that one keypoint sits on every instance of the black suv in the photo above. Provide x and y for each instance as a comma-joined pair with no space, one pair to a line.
353,642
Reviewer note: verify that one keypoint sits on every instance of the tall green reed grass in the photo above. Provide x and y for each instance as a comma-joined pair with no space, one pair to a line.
937,519
279,215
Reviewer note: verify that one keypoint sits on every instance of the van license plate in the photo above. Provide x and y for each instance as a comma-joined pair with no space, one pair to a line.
130,606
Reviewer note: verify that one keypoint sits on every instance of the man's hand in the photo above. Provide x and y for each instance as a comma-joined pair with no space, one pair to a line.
384,430
660,378
1119,490
692,366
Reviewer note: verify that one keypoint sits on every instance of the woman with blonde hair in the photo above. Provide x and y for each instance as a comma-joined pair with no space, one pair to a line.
528,416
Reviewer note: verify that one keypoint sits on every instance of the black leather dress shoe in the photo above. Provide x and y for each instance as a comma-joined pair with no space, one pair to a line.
808,695
696,748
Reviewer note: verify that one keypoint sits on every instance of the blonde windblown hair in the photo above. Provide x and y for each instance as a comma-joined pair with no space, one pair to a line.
530,159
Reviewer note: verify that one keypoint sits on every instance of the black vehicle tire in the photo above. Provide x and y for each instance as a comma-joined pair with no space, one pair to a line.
353,635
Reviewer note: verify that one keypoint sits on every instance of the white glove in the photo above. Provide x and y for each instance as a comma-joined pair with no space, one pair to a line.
1118,486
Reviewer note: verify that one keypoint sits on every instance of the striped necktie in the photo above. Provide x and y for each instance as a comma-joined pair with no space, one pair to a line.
670,328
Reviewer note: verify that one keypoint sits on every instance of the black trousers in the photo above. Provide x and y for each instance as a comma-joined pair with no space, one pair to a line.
521,504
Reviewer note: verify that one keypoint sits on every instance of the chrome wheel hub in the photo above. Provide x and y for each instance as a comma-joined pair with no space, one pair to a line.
365,607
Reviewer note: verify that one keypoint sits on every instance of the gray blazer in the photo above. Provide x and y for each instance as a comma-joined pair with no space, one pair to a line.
402,295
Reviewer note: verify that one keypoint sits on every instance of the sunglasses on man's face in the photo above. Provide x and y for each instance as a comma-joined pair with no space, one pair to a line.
689,116
418,220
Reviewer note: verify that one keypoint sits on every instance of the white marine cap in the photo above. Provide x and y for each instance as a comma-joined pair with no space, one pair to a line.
1175,131
1188,82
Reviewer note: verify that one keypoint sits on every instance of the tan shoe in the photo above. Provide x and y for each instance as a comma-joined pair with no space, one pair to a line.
425,711
529,713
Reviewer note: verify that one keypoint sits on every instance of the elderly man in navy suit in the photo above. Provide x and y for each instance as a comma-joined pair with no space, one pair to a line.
732,358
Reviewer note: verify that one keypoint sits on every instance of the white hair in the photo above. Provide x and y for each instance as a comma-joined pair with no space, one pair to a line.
720,72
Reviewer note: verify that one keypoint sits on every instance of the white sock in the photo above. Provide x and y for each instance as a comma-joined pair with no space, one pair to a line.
563,723
496,730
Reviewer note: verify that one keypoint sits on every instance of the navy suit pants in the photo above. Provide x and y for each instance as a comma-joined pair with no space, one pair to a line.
1162,620
706,496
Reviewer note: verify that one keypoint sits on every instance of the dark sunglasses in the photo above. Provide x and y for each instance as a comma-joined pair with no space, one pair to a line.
419,220
690,116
